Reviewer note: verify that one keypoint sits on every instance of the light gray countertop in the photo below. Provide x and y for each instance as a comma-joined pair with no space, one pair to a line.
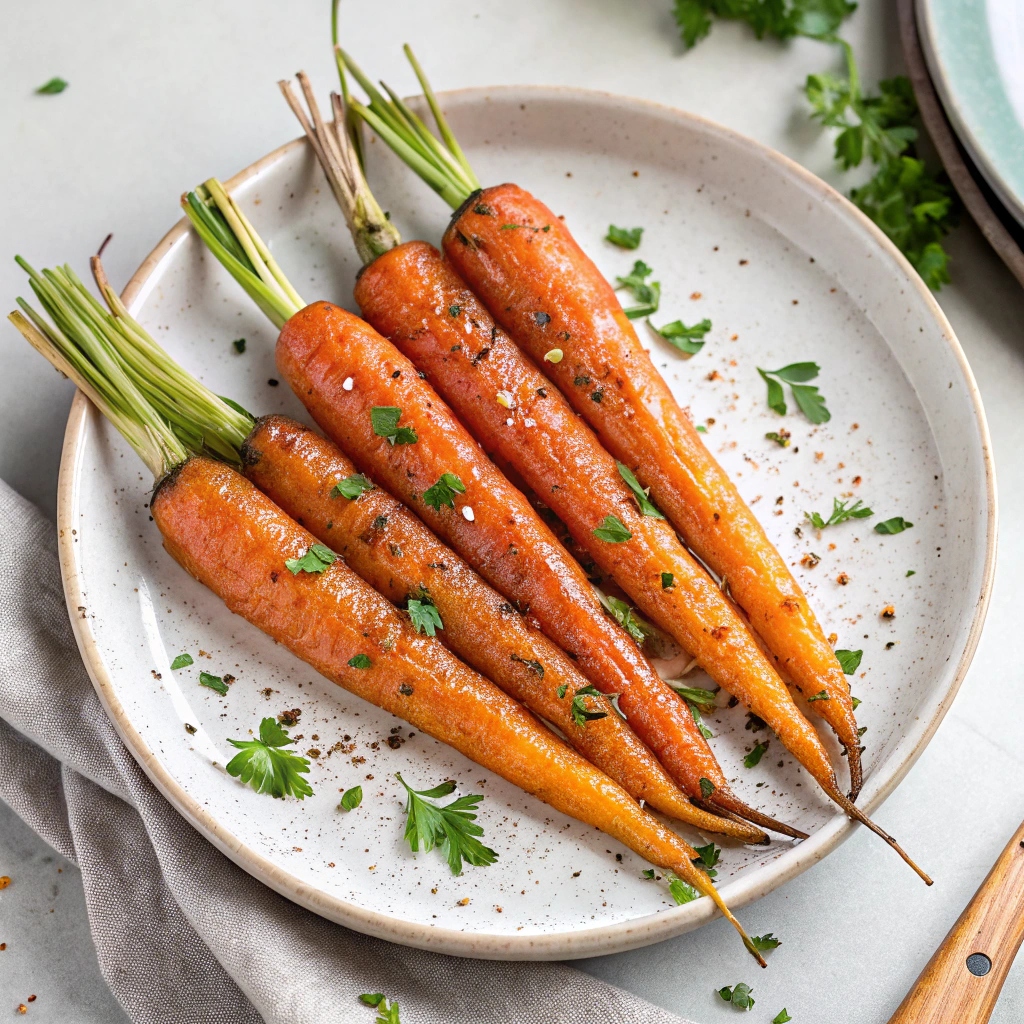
163,96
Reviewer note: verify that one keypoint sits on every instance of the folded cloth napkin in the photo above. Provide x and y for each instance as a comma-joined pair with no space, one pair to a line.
181,932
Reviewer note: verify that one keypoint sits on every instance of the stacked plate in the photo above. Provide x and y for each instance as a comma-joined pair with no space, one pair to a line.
966,59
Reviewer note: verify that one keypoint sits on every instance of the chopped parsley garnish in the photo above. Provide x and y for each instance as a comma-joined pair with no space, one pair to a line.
360,661
682,892
215,683
624,238
581,714
849,661
856,701
765,942
911,572
647,293
351,799
351,487
58,85
451,828
385,424
895,525
181,661
612,530
647,507
689,340
707,857
454,310
806,396
265,766
707,787
531,663
782,1017
315,560
754,757
841,512
239,345
701,429
739,995
780,437
444,491
667,580
625,615
820,695
387,1010
424,615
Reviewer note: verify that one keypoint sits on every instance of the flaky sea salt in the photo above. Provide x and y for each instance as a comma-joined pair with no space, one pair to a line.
468,514
348,384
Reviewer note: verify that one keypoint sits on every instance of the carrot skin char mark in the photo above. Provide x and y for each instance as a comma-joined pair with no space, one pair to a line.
517,274
408,286
317,351
298,469
232,538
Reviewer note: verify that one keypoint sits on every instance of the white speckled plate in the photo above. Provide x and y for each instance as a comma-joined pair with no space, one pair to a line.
787,270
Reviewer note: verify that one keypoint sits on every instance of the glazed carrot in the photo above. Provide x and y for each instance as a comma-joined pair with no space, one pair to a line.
236,541
397,555
339,345
411,296
540,286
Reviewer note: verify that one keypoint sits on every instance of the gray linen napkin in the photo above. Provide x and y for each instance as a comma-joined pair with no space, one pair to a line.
182,933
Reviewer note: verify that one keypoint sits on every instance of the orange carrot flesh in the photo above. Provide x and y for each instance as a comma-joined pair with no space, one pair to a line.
409,294
547,293
397,555
341,369
233,539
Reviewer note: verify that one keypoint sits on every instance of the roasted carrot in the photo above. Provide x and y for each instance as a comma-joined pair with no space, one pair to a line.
411,296
397,555
236,541
523,263
661,721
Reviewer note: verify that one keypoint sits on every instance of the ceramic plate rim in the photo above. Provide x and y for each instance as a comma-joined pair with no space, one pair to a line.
601,939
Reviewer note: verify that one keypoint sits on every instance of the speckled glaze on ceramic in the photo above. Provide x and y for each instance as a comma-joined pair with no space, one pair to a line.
787,270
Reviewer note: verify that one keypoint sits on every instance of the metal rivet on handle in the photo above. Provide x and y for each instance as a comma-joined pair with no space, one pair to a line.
979,965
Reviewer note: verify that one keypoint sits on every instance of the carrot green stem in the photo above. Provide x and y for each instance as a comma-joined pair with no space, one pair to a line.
369,226
227,233
351,121
82,342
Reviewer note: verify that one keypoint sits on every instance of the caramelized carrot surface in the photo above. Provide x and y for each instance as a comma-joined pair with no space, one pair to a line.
395,553
417,300
547,293
342,369
235,540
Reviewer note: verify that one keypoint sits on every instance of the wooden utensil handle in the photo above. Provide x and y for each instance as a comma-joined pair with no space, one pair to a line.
962,981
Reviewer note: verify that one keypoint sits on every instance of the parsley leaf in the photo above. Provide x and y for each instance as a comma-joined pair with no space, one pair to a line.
739,995
849,661
451,828
444,491
682,892
841,512
707,857
647,293
820,695
387,1010
782,1017
625,238
238,345
612,530
351,487
765,942
315,560
707,787
783,19
667,580
780,437
181,661
696,695
52,87
581,714
360,661
895,525
625,615
693,20
351,799
384,419
263,765
646,505
756,754
807,397
424,615
215,683
687,339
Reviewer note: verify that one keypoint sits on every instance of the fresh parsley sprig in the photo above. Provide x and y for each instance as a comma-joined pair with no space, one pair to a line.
739,995
451,828
647,293
782,19
444,491
424,615
841,512
806,396
689,340
707,857
264,765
